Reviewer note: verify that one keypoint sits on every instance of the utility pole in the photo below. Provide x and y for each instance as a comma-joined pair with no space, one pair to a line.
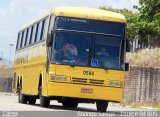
1,57
11,45
9,68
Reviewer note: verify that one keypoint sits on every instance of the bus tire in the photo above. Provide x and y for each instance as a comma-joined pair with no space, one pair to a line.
21,97
32,100
44,101
102,105
70,104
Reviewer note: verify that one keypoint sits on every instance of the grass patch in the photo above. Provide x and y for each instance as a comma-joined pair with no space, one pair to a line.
145,57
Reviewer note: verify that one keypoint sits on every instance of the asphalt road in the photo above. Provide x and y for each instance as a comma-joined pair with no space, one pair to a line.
9,102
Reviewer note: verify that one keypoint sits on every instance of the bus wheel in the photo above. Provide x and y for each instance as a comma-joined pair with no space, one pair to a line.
44,101
101,105
32,100
21,97
70,104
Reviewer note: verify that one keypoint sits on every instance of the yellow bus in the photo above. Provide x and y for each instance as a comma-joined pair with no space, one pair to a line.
72,55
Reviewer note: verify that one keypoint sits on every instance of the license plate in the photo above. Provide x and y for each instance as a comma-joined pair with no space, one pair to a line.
86,90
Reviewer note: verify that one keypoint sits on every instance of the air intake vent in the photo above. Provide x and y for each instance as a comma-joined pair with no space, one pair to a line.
88,81
79,80
96,82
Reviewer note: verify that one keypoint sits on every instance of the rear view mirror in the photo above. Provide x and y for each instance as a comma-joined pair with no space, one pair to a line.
50,39
126,66
128,46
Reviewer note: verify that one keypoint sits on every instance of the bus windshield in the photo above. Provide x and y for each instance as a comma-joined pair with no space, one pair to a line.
71,49
81,49
75,45
106,52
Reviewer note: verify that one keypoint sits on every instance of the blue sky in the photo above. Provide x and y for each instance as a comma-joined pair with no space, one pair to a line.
14,13
4,3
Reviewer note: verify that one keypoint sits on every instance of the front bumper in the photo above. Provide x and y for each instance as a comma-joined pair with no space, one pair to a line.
80,91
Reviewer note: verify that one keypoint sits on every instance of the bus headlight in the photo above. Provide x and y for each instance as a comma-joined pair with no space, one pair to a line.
57,78
114,83
52,77
60,79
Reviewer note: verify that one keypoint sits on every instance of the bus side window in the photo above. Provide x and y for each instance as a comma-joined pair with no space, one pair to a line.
33,34
35,39
30,40
21,39
44,29
26,38
39,31
29,35
18,40
51,26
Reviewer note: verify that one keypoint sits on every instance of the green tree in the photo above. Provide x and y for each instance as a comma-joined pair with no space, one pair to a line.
149,27
148,9
144,25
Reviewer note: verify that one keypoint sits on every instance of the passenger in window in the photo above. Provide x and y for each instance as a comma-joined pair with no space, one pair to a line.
102,52
68,52
73,50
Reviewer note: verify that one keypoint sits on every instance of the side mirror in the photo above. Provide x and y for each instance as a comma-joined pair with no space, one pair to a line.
50,39
126,66
128,46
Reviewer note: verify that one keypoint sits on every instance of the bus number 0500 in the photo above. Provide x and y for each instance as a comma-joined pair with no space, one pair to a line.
88,73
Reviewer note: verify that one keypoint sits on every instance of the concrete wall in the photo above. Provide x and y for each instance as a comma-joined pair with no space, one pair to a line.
142,86
6,75
6,84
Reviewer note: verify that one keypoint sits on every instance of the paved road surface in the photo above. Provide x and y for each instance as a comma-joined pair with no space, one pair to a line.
10,103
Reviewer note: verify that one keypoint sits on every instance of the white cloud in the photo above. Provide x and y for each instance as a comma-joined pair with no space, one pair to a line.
2,13
18,12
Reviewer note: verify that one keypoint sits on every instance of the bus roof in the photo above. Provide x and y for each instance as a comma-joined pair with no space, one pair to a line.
81,12
89,13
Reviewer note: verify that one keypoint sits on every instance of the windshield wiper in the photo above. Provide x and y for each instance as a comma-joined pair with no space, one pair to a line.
76,63
105,68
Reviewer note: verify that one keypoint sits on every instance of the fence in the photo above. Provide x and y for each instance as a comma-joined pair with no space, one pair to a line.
137,44
6,84
6,77
142,86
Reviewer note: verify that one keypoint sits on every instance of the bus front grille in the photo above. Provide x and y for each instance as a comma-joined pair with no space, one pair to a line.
96,82
79,80
87,81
